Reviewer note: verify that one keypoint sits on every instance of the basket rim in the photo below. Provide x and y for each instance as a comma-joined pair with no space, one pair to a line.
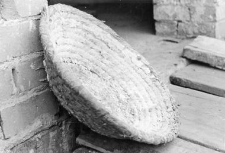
76,85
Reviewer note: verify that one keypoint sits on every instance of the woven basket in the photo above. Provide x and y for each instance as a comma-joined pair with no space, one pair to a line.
102,81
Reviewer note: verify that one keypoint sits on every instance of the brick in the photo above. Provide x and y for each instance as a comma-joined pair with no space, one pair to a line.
195,29
24,35
27,8
17,118
166,28
171,12
6,84
30,74
220,30
51,141
8,9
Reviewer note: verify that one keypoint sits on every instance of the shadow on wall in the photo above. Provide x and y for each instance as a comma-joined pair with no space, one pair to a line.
142,9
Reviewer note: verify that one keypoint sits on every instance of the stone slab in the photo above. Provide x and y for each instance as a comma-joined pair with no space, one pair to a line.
201,77
206,50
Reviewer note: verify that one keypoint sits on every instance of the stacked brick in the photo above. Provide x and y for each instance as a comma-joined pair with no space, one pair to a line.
189,18
30,116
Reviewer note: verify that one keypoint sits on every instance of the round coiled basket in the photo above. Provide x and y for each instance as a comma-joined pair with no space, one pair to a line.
102,81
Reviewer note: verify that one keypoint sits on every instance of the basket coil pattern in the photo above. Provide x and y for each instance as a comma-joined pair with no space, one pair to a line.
102,81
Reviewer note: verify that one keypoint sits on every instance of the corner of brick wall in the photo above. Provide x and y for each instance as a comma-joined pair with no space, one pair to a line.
31,119
188,18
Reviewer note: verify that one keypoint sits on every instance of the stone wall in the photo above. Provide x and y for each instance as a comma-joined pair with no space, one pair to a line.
31,119
189,18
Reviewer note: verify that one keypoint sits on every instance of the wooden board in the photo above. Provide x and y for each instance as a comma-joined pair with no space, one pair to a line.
109,145
207,50
202,117
202,78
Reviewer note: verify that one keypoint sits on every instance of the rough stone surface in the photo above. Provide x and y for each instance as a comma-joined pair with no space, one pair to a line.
166,28
17,118
201,13
24,35
171,12
200,17
195,29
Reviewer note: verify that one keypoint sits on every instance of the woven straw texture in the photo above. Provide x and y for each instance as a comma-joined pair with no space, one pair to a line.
102,81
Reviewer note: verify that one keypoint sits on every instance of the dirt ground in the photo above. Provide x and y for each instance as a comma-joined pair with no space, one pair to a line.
135,23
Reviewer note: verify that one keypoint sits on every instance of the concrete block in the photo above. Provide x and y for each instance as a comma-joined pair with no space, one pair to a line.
27,8
6,84
190,29
19,38
16,118
30,73
171,12
166,28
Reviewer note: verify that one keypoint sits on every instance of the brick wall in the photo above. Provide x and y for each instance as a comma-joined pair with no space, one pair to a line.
189,18
31,119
